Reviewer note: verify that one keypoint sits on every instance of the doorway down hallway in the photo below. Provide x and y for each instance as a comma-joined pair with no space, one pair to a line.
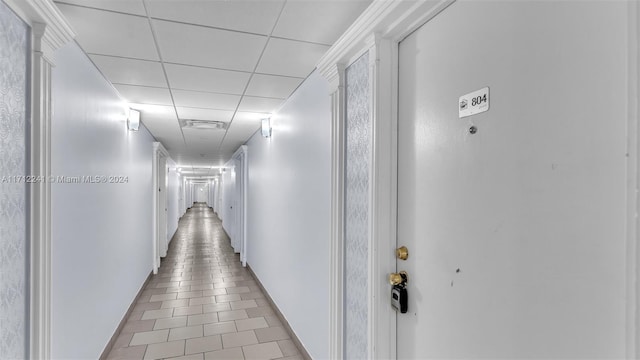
202,304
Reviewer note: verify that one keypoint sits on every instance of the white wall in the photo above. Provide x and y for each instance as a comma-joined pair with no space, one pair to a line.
174,181
101,233
202,193
289,212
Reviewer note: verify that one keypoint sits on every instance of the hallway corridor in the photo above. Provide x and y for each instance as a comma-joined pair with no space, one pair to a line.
202,304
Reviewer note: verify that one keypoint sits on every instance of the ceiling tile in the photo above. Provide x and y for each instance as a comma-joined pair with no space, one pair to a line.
205,114
257,16
134,7
204,79
272,86
198,45
257,104
290,58
104,32
318,21
250,117
205,100
130,72
145,95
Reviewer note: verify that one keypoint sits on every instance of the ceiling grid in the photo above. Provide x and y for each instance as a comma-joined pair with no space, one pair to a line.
229,61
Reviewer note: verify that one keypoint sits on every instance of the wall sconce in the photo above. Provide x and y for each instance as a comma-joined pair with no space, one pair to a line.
133,121
266,127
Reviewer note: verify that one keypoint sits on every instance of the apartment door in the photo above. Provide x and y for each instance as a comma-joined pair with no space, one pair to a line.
162,205
514,218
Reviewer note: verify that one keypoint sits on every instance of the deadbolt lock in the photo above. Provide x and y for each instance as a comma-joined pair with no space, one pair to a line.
402,253
398,278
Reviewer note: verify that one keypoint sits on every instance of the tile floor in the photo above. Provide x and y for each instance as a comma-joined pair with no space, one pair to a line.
202,304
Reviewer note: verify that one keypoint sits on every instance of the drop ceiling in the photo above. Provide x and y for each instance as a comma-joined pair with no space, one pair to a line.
231,61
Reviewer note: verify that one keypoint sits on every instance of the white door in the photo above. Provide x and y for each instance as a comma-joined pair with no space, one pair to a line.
162,205
516,233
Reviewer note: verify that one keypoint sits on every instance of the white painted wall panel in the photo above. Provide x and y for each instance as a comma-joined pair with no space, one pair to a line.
289,212
102,233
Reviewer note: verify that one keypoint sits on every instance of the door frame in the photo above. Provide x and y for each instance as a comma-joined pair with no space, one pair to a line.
240,157
379,30
49,32
159,206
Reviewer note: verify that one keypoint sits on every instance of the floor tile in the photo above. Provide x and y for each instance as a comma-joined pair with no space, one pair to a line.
175,303
220,328
185,332
226,354
239,339
207,318
269,350
162,297
203,344
165,350
260,311
149,337
202,300
288,348
188,357
232,315
243,304
128,353
271,334
169,323
138,326
190,310
206,308
251,324
202,304
157,314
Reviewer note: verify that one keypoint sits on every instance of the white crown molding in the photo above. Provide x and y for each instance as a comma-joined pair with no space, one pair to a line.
50,27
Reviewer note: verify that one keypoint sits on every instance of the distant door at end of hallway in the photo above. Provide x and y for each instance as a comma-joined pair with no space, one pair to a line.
515,217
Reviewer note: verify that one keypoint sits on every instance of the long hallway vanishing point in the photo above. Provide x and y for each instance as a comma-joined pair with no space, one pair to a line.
203,304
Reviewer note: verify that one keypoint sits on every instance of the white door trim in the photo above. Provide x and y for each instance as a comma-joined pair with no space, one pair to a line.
159,151
633,185
49,32
241,158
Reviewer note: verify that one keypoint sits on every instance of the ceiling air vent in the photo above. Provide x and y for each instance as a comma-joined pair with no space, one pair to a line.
203,124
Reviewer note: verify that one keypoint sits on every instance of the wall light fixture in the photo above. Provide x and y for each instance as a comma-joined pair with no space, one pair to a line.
266,127
133,121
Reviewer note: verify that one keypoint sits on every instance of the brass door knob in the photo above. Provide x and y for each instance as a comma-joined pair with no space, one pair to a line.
398,278
402,253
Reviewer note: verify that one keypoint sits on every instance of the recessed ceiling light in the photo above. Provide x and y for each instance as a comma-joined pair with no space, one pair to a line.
202,124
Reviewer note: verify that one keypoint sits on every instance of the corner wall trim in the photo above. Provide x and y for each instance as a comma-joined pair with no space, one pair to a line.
114,337
284,321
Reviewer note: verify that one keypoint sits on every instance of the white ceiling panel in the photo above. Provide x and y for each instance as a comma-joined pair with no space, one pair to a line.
130,71
109,33
145,95
206,79
205,100
234,61
272,86
257,104
198,45
134,7
257,16
318,21
290,58
205,114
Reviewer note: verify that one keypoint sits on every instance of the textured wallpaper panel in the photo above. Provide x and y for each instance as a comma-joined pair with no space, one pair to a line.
14,44
358,151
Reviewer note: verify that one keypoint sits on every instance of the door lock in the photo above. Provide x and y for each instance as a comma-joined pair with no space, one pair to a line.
399,296
400,278
402,253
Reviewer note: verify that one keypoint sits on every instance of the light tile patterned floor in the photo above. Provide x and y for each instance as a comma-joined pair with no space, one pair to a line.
202,304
